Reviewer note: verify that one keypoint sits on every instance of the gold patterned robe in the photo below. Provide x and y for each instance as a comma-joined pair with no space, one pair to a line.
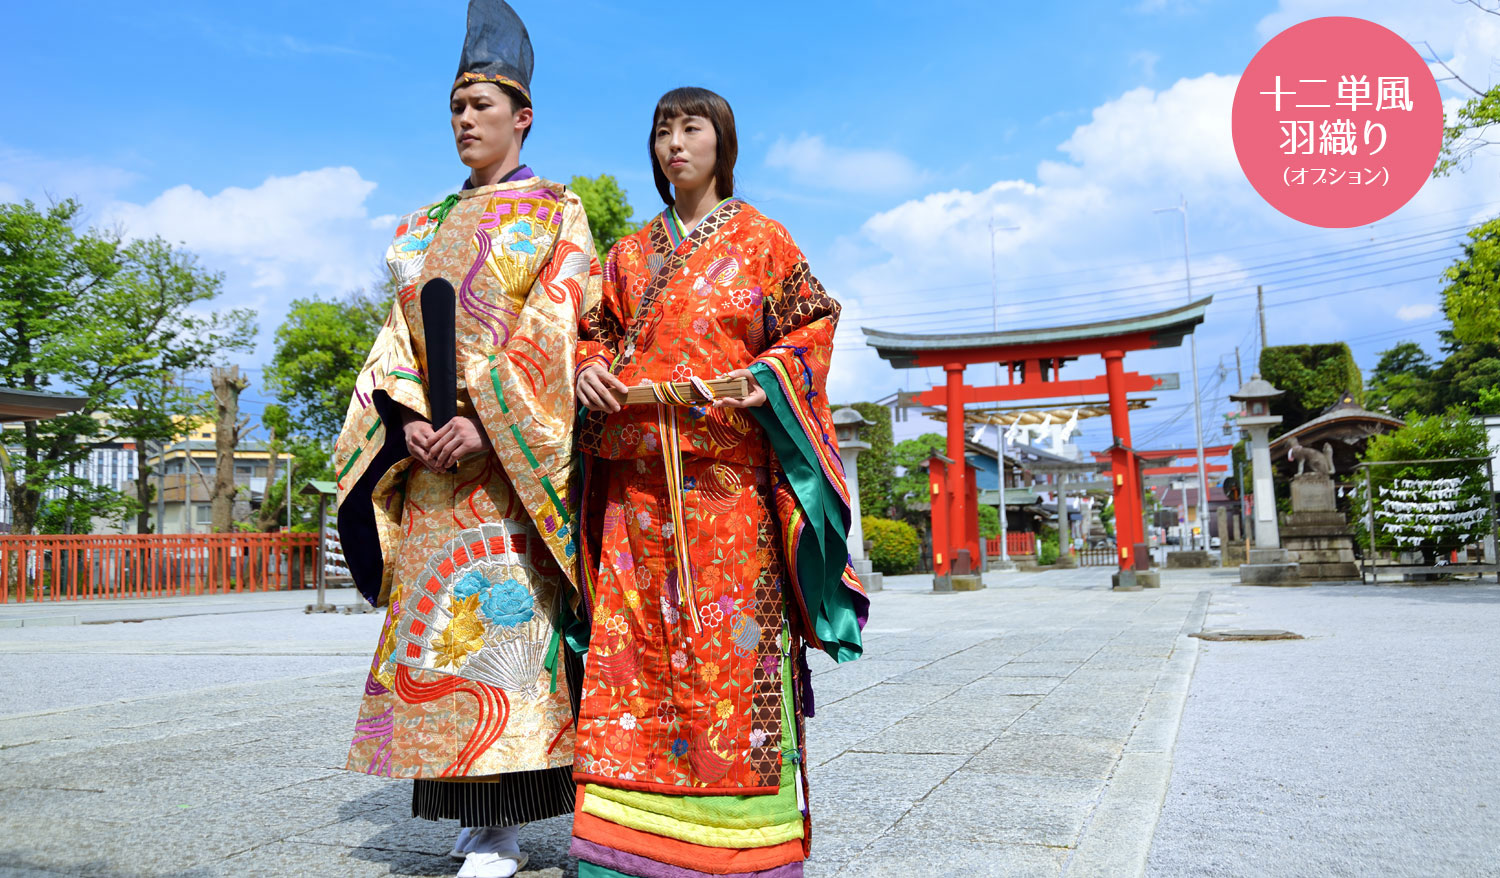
472,566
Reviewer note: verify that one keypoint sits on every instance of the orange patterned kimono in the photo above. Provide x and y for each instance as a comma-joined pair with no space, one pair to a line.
472,565
706,572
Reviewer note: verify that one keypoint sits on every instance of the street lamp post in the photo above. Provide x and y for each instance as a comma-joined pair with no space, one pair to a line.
1197,398
1005,562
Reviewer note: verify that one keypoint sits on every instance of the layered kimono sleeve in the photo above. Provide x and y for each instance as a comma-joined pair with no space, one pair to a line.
812,498
370,457
601,329
524,391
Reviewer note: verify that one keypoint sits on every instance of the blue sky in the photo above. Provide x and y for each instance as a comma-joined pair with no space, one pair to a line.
278,140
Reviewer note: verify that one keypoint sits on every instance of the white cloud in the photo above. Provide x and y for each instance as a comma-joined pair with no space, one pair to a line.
809,160
44,179
1182,132
1087,227
307,232
1408,313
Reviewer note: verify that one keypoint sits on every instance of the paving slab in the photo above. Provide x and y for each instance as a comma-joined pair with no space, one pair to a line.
986,733
1367,748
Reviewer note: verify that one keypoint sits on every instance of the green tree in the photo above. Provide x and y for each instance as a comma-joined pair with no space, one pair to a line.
1468,134
1427,440
989,522
1468,370
80,312
1402,381
1470,131
910,491
877,467
1488,402
311,461
608,210
163,291
82,502
1472,298
318,352
1314,376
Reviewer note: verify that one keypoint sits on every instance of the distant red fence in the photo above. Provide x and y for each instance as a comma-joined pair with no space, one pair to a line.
1017,543
86,567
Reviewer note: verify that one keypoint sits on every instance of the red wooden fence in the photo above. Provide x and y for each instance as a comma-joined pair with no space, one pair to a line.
1017,543
86,566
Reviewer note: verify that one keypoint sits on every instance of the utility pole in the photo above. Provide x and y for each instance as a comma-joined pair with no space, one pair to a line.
1197,397
289,464
999,433
1239,376
1260,309
161,487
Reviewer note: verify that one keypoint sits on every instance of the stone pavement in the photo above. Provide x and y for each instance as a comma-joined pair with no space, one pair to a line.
1369,748
1026,729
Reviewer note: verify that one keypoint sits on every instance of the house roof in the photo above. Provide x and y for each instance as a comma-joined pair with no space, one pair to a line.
36,405
1345,412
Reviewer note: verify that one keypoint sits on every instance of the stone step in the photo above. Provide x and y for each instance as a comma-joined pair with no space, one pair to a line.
1269,574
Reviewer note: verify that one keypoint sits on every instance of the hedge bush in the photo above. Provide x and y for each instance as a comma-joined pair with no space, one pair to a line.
895,546
1047,549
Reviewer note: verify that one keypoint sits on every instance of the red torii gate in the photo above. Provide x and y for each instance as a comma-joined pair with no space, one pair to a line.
1174,454
1037,356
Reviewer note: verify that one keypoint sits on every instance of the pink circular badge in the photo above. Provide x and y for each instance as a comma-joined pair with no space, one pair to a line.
1337,122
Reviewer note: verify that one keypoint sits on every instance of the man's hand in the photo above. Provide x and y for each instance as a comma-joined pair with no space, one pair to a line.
419,437
458,439
597,388
756,397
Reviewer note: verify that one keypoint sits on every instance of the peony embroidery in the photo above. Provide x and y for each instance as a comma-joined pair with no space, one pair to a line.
506,604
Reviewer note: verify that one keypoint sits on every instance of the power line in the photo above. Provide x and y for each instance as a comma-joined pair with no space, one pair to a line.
1171,284
945,320
1407,260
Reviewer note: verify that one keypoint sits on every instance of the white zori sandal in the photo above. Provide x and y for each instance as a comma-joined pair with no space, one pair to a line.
493,853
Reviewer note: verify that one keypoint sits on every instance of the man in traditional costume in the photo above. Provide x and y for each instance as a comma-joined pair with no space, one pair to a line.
454,471
714,531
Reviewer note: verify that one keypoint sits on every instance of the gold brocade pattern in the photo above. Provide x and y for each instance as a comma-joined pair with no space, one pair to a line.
475,563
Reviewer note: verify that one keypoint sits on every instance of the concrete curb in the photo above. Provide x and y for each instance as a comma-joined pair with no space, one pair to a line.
38,622
1117,839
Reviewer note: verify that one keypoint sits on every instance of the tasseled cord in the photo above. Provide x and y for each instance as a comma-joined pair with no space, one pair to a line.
668,400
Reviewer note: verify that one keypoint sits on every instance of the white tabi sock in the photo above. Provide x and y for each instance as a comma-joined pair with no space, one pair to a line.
494,852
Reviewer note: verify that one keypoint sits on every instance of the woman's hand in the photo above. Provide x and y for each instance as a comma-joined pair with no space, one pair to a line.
597,389
458,439
419,437
756,397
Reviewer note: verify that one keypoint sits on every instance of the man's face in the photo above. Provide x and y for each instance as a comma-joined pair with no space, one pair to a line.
485,124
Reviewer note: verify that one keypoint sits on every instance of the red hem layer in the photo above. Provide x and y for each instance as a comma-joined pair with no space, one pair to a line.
675,852
646,786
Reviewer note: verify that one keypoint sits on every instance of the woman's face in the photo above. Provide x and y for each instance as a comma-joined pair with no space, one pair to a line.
686,148
485,126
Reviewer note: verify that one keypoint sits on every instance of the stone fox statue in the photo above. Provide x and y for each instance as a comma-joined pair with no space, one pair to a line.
1311,458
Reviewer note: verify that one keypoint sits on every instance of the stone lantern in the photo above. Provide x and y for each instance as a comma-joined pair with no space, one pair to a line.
1256,418
847,425
1268,562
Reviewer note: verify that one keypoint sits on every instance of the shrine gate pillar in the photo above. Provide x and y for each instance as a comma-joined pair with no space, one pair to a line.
971,523
958,494
1127,478
937,480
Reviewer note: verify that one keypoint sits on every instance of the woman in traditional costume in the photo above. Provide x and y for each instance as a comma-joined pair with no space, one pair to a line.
454,468
713,545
